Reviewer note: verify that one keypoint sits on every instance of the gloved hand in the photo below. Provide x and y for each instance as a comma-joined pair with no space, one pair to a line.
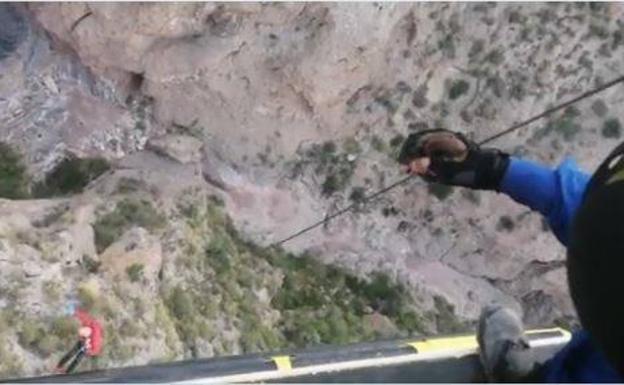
448,157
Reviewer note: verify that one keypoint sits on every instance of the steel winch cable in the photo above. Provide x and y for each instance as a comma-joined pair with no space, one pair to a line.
489,139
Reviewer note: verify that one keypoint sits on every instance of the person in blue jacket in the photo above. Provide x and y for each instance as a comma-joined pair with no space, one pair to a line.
585,213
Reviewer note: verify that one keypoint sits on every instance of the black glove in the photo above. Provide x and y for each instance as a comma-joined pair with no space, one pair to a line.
455,160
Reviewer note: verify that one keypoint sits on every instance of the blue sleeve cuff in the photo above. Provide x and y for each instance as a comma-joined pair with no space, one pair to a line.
530,184
556,194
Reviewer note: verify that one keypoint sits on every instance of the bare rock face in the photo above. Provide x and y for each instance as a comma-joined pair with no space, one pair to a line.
381,325
182,148
136,248
254,82
13,31
52,104
289,112
123,34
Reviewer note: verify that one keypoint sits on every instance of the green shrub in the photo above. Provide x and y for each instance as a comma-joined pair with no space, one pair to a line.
618,39
472,196
165,322
337,180
390,211
419,97
571,112
317,303
45,338
91,265
30,333
181,304
378,289
8,318
599,31
14,181
127,213
328,149
324,304
476,48
127,185
418,126
52,216
129,328
565,126
516,17
505,223
599,107
447,46
256,337
378,144
218,254
10,364
70,176
135,272
338,330
358,195
397,141
458,88
186,309
65,328
48,344
216,201
612,128
88,297
351,146
386,100
335,166
51,290
409,320
446,320
495,56
116,348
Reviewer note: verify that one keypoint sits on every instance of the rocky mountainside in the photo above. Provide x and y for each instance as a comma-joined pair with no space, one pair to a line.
151,153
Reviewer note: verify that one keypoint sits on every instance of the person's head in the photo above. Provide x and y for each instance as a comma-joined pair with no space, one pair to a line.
85,332
596,258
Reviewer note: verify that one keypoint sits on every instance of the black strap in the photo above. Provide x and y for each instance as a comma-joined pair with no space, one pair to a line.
74,350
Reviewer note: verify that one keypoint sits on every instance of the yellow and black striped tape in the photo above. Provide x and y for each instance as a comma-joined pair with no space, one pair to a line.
283,363
460,343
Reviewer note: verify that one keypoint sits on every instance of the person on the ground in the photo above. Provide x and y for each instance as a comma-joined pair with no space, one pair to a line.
90,336
585,214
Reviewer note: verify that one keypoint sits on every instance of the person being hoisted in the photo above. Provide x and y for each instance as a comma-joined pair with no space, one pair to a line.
90,338
585,214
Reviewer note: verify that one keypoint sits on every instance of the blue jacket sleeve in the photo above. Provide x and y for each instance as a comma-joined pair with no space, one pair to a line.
556,194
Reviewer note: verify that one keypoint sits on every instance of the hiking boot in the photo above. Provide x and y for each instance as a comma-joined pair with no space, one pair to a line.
505,352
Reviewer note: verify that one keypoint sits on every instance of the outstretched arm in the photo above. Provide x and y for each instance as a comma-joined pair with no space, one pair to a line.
555,193
451,158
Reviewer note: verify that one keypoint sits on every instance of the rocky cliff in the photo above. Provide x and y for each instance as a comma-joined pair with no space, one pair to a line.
152,151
